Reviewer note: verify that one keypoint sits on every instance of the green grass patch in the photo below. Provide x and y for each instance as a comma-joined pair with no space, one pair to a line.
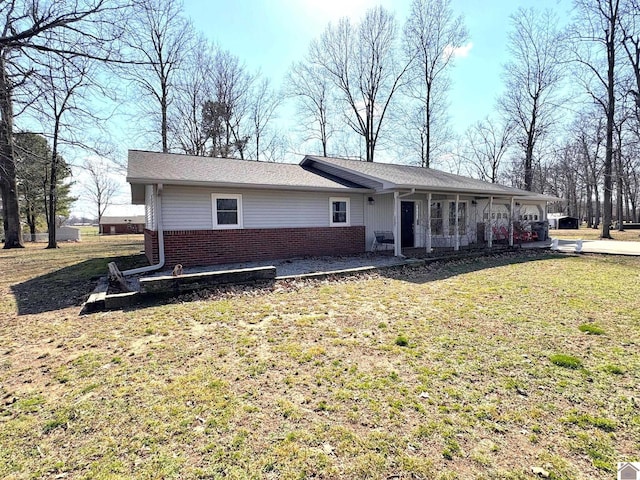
401,341
591,329
566,361
585,420
614,369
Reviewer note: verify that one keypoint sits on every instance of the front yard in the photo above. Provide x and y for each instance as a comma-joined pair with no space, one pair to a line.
469,369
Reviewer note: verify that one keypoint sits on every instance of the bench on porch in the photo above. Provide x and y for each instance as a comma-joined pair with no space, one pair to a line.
382,238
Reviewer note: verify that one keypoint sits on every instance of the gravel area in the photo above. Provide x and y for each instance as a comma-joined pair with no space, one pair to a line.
288,267
300,266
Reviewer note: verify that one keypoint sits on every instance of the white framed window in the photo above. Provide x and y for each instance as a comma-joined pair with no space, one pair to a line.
227,210
462,218
436,218
339,212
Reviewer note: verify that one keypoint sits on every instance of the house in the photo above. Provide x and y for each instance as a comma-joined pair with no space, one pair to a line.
561,221
204,211
628,471
122,219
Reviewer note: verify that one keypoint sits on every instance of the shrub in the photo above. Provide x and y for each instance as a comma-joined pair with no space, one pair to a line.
402,341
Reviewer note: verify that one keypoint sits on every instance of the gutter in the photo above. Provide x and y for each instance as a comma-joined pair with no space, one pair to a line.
160,263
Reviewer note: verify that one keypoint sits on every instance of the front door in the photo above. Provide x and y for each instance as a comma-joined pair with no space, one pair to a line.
407,221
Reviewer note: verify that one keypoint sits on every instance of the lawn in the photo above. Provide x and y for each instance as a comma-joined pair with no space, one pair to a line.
594,234
469,369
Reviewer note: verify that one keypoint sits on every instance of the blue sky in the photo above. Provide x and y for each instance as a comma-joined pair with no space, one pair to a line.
271,34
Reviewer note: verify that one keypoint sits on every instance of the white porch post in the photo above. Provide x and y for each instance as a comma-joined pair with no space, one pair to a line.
397,230
427,242
456,245
490,242
511,224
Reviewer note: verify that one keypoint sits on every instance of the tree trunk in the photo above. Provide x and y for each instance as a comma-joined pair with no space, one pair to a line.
8,183
53,183
589,207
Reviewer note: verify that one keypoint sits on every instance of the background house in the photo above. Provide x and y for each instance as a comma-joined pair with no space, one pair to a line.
561,221
122,219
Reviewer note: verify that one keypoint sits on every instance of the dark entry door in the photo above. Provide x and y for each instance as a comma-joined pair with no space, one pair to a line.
407,216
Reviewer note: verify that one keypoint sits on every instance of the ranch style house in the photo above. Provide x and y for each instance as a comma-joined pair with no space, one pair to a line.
206,211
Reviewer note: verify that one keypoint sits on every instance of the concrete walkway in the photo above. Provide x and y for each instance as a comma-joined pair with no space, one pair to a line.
611,247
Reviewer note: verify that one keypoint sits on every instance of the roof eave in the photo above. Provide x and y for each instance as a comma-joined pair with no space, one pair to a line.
464,191
257,186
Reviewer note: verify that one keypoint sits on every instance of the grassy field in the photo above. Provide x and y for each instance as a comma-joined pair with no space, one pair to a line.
471,369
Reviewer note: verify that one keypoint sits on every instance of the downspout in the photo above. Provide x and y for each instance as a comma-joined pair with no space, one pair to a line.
160,264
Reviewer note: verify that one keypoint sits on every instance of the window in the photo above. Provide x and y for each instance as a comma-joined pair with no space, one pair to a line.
227,210
339,212
462,218
436,218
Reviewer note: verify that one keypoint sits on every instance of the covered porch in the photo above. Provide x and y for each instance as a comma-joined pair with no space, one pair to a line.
433,221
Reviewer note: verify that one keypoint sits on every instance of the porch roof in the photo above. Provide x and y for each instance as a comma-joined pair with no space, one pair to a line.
403,177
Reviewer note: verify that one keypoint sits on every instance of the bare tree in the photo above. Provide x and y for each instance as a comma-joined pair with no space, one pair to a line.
101,187
311,87
533,77
194,88
486,145
361,62
630,26
28,28
431,36
63,109
159,40
226,114
264,103
600,38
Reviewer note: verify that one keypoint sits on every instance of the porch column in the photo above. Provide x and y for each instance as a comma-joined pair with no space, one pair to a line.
427,242
490,240
397,230
511,224
456,230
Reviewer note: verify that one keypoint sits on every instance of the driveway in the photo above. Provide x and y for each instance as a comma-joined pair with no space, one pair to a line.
612,247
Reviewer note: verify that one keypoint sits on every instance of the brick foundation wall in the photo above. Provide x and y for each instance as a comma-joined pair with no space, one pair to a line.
151,245
211,247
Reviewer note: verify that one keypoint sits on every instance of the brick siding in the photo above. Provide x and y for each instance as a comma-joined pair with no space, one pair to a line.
121,228
211,247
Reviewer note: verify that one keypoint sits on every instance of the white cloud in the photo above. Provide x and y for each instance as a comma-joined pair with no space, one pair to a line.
458,52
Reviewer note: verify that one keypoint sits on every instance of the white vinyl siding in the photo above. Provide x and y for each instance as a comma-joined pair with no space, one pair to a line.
190,208
186,208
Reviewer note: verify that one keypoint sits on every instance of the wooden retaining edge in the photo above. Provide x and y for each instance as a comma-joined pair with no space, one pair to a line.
197,281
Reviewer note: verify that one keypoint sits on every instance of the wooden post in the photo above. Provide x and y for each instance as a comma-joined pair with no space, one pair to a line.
428,226
511,224
490,242
397,228
456,229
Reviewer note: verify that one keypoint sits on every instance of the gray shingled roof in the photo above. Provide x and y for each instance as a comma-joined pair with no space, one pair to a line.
152,167
393,176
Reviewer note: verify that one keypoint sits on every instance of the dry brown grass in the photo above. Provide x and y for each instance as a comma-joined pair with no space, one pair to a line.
308,379
594,234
